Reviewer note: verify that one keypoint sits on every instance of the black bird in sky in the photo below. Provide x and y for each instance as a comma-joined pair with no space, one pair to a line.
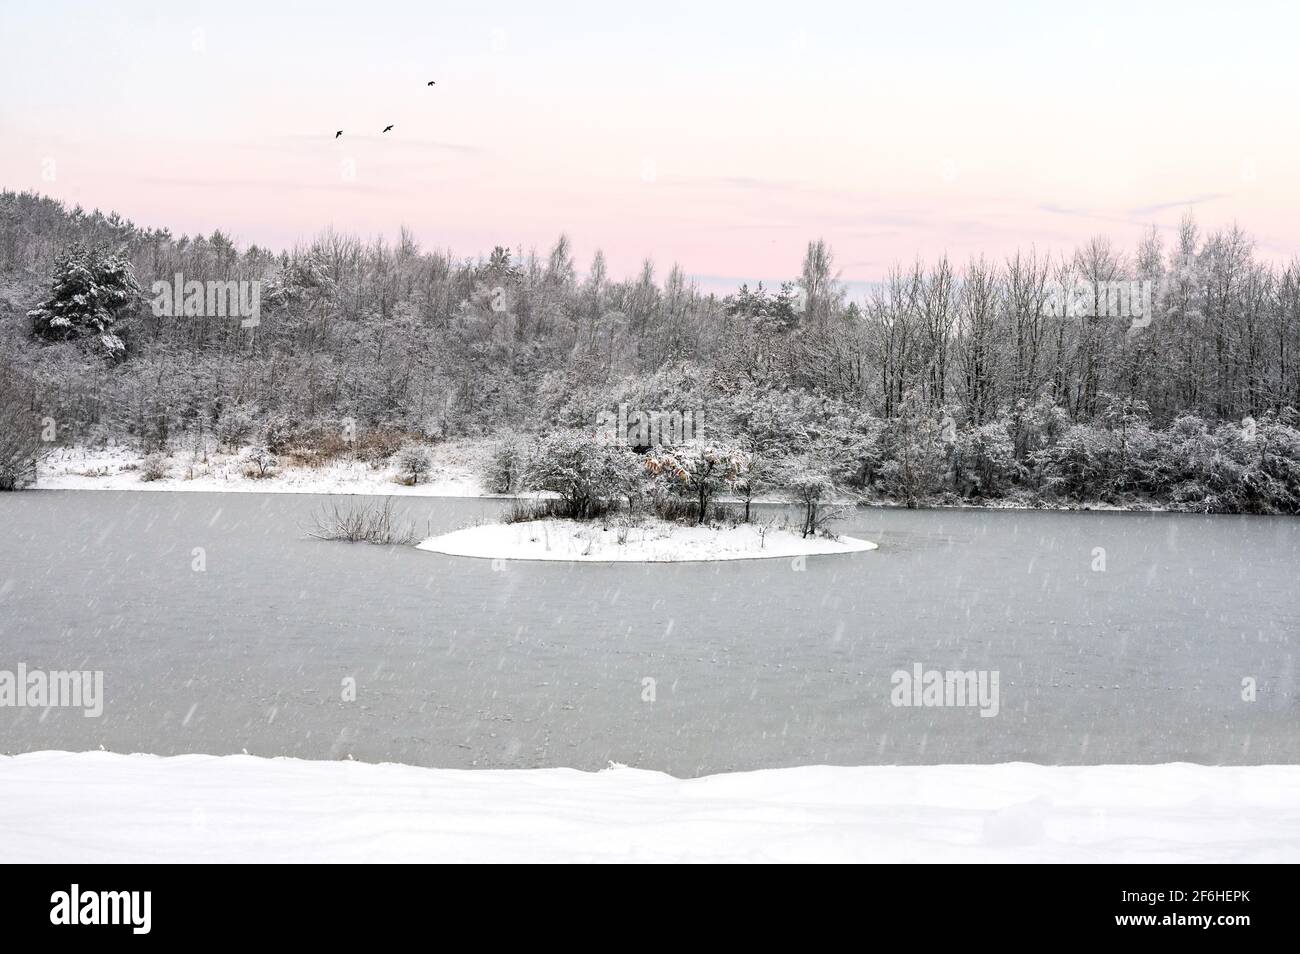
389,127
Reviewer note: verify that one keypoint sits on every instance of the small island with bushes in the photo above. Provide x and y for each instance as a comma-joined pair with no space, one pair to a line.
604,502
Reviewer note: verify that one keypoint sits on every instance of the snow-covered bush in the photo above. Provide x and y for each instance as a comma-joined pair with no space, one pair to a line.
916,465
698,471
414,462
278,433
768,422
983,461
1256,469
154,467
1081,465
1035,426
259,463
1279,457
855,454
585,473
236,425
1145,463
505,466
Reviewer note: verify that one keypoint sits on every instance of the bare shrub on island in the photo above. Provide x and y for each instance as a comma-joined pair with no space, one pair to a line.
361,522
815,495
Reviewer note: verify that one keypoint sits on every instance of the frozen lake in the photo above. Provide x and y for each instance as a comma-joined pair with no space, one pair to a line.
755,664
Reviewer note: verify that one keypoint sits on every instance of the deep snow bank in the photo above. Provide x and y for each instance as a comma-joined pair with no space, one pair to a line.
653,541
104,807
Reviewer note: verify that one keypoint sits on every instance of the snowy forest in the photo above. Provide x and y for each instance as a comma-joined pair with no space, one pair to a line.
949,382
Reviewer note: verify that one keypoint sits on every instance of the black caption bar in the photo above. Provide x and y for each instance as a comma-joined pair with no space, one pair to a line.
331,905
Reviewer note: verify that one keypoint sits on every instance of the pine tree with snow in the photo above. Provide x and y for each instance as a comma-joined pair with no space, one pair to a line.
92,286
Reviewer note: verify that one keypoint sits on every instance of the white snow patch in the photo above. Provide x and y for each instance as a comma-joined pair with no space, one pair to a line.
454,474
652,541
97,807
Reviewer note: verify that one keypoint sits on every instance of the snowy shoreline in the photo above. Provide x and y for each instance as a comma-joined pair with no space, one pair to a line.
453,474
93,807
649,541
456,470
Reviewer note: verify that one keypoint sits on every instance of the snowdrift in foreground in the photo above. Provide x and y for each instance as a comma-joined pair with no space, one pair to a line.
654,541
104,807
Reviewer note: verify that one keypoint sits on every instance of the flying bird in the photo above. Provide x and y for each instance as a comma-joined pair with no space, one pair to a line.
386,128
339,133
430,83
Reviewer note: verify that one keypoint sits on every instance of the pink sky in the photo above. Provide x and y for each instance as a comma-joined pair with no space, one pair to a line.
723,140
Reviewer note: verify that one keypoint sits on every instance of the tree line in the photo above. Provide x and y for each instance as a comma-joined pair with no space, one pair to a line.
937,356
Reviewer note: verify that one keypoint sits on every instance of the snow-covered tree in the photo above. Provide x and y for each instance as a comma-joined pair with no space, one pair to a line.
259,463
414,462
917,463
21,446
814,494
505,466
698,470
91,288
584,472
983,461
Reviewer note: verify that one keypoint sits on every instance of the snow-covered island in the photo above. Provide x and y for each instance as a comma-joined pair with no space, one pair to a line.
609,504
651,541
